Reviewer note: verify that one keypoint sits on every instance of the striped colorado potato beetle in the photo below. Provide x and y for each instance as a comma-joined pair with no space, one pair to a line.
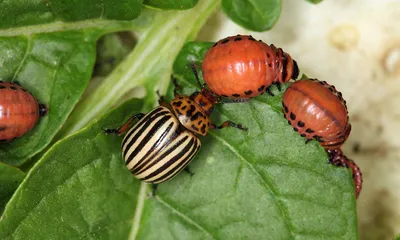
19,111
242,67
163,142
317,111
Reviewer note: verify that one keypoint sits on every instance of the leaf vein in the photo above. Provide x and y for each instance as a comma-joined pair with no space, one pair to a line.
265,182
183,216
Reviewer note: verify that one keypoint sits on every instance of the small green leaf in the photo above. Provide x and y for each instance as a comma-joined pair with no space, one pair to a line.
55,68
49,48
10,178
18,13
262,184
314,1
255,15
171,4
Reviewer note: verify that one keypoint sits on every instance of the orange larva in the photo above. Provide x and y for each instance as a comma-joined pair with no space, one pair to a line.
19,111
242,67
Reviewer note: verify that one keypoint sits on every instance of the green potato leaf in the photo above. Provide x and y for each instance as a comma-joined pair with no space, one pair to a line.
254,15
265,183
171,4
49,48
20,13
10,178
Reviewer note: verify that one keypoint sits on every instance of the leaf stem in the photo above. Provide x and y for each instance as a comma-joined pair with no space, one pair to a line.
149,64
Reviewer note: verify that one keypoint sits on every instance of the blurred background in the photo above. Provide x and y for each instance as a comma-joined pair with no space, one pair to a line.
354,45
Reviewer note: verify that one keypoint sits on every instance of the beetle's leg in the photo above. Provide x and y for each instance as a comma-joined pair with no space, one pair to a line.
278,85
187,169
337,158
228,124
268,90
177,87
154,189
124,127
42,110
161,100
308,140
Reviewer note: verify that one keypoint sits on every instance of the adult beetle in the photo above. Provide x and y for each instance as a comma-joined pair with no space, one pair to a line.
163,142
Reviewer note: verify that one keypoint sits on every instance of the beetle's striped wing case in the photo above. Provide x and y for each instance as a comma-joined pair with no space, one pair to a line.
157,147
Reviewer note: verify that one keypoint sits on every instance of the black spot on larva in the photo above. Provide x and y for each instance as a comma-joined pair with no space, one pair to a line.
284,115
331,89
303,135
225,41
339,94
178,103
194,128
322,83
292,116
248,92
190,111
235,95
203,128
3,140
277,54
13,88
14,138
251,38
196,116
2,87
237,39
296,129
2,128
199,122
223,95
300,124
269,65
268,56
308,130
208,124
23,89
215,44
289,122
184,107
261,89
286,109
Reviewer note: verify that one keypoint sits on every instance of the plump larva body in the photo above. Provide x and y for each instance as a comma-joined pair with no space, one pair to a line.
157,148
242,67
19,111
163,142
316,110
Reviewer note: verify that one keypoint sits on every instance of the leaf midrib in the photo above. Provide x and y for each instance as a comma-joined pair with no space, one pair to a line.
59,26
